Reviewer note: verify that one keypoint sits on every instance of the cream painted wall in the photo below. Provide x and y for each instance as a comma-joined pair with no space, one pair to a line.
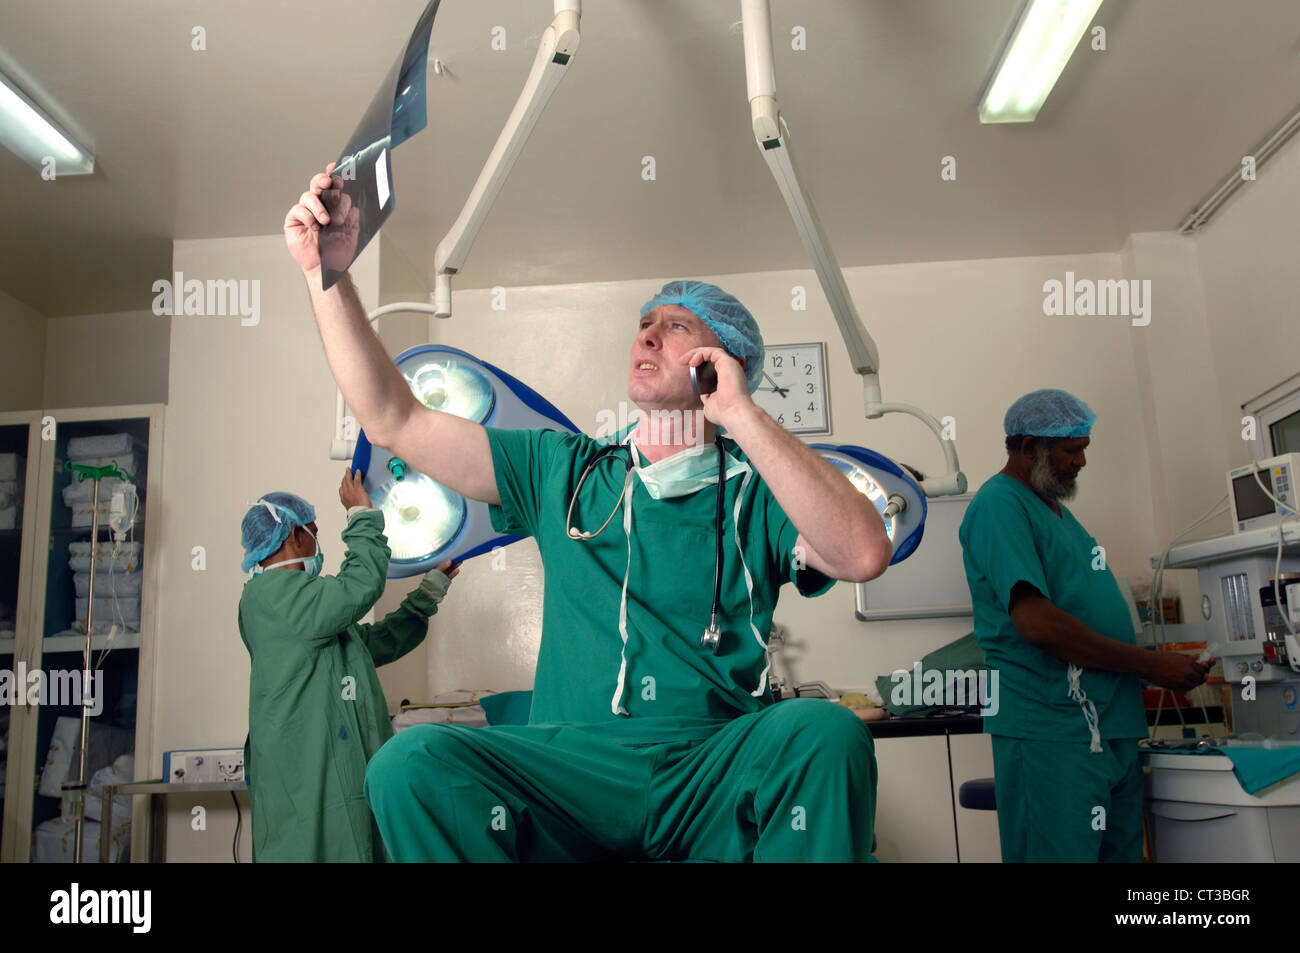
1248,256
99,359
1175,367
957,338
22,359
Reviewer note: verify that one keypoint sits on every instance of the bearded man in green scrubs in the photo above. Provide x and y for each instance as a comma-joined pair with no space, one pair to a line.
316,710
1052,621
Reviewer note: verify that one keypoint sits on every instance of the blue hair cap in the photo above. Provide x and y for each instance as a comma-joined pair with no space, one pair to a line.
1049,413
724,315
268,523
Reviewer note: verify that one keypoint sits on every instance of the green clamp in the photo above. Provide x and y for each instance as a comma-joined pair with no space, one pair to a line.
397,468
85,472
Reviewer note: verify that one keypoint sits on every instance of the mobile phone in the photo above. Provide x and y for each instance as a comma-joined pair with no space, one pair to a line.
704,378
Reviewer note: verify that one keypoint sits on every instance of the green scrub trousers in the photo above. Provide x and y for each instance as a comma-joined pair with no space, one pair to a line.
1059,802
794,782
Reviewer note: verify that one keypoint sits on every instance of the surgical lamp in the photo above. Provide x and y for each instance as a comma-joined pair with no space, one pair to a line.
425,522
898,498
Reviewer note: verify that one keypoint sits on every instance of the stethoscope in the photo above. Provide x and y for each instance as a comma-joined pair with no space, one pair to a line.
712,637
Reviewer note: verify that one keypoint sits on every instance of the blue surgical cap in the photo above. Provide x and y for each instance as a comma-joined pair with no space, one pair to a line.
1049,413
724,315
269,522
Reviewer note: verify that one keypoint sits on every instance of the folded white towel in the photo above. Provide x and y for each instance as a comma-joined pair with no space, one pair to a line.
122,611
104,549
107,583
127,560
81,514
83,491
99,446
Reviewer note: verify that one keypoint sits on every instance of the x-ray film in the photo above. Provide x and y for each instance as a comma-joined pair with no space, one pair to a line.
363,196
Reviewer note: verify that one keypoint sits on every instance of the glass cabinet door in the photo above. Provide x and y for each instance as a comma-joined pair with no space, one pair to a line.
114,616
14,448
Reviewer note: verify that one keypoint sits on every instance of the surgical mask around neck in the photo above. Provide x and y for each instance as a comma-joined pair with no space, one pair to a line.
312,564
686,472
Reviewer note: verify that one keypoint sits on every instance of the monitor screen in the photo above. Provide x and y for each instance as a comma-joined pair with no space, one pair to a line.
1248,499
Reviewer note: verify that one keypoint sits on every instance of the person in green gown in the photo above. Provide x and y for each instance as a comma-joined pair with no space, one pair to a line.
316,710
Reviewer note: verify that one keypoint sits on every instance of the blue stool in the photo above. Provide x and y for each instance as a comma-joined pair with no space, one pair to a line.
978,795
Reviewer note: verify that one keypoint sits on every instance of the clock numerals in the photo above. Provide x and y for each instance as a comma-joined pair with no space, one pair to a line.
805,409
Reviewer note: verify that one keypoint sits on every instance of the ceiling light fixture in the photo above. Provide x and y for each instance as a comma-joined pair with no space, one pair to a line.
28,132
1043,42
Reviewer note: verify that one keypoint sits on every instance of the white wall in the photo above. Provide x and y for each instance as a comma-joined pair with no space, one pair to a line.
98,359
22,358
956,338
1248,257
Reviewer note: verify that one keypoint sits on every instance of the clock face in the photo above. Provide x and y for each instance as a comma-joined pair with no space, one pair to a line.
793,389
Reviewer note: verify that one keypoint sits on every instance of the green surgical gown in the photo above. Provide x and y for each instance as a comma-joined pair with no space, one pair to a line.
316,710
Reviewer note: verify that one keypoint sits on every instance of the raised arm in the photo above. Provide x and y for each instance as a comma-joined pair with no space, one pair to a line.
448,449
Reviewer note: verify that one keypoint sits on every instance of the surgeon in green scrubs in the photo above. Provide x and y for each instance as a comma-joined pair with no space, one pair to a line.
1053,623
642,742
316,710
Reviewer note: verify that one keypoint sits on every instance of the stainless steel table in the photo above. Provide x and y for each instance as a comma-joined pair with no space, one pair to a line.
157,791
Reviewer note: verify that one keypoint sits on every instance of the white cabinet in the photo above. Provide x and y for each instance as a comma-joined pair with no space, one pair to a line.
971,757
42,579
914,801
918,819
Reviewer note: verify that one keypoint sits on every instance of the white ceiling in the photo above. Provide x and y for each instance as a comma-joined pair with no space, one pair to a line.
221,142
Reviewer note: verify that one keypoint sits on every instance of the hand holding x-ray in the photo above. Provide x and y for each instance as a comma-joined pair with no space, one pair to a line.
360,196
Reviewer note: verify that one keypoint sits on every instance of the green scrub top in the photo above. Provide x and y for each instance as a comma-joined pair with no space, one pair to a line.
1010,535
673,687
316,710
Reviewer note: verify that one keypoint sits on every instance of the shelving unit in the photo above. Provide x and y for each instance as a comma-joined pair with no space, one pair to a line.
45,637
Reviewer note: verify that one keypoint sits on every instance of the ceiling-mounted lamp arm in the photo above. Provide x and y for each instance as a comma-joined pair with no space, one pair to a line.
953,482
774,144
342,447
557,47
